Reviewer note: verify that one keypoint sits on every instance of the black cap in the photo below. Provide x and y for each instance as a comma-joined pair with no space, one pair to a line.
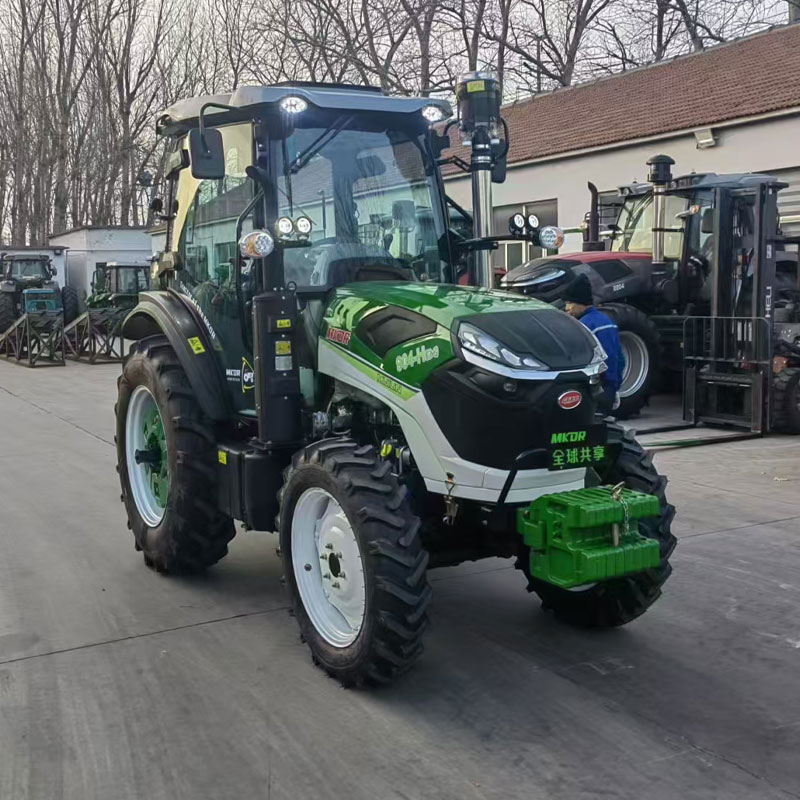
579,291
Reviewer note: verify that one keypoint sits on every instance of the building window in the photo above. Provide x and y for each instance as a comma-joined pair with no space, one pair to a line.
511,254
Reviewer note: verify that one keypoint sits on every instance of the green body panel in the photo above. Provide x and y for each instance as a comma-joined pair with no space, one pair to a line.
411,362
570,536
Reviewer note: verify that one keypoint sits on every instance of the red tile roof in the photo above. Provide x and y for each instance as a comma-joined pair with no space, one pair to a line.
750,76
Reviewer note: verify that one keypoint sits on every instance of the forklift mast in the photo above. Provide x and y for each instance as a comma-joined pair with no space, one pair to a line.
728,355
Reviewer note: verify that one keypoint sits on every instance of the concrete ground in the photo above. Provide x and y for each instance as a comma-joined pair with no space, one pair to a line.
118,683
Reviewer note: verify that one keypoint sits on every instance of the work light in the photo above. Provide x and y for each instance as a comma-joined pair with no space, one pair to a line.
293,104
284,226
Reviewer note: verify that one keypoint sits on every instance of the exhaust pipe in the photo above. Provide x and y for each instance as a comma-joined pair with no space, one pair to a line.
478,96
591,234
660,176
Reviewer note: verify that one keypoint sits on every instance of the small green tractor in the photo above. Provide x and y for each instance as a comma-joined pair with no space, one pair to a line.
308,363
118,285
27,286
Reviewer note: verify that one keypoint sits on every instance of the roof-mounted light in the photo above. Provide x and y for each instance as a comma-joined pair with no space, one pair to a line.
433,113
293,104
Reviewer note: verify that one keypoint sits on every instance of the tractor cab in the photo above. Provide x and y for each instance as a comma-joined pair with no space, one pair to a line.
28,271
118,285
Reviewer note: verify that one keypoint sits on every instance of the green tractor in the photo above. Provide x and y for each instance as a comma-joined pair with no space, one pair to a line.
310,365
118,285
27,286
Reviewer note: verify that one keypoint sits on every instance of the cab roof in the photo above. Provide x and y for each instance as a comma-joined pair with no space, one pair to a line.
183,115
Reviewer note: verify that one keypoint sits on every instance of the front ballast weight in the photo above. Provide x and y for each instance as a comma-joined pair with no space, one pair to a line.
588,535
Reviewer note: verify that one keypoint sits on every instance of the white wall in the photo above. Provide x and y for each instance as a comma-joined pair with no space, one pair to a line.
765,146
90,246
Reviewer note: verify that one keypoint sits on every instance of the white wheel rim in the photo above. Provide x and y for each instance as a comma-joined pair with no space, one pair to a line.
140,407
328,567
637,363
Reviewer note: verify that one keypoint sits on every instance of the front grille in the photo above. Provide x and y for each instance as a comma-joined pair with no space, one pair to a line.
487,425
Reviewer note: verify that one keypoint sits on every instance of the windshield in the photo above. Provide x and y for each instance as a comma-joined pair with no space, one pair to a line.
130,280
636,226
29,268
372,197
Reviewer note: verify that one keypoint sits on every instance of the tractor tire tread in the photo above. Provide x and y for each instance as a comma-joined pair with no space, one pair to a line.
198,532
391,639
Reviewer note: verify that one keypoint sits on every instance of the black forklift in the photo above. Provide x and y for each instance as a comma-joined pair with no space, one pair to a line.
703,286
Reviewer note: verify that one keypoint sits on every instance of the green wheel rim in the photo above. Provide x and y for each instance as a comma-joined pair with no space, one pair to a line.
146,456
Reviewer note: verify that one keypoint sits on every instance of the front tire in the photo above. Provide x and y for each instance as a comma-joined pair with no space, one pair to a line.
786,401
641,347
345,520
618,601
8,311
166,464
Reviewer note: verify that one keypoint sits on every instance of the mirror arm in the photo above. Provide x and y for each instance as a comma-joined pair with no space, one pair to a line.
201,119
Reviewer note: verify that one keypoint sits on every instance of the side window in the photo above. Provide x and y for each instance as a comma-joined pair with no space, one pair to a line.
673,241
207,243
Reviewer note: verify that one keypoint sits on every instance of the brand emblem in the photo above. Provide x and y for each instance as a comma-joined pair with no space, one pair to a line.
338,335
248,376
569,400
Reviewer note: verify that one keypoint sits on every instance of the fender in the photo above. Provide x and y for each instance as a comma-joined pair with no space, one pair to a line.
169,314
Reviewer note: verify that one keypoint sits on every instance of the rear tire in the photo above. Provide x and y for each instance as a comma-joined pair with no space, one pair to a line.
187,533
8,311
69,302
641,346
786,401
619,601
358,502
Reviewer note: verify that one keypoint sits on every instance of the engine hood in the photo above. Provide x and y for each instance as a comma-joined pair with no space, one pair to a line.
409,329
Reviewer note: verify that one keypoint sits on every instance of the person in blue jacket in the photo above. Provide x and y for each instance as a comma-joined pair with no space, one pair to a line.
580,305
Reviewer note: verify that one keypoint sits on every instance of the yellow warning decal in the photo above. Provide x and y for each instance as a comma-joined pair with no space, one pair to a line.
196,345
283,348
222,456
284,323
476,86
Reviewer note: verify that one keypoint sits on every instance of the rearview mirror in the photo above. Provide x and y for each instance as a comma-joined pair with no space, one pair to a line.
206,154
707,221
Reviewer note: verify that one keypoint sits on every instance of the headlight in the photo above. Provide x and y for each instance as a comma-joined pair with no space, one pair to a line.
256,244
544,277
303,225
481,344
551,237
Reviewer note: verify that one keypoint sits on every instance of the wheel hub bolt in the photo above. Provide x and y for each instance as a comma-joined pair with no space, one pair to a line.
335,584
308,567
327,576
324,556
329,546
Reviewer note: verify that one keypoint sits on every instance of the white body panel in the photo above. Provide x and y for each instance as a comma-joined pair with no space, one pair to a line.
433,454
